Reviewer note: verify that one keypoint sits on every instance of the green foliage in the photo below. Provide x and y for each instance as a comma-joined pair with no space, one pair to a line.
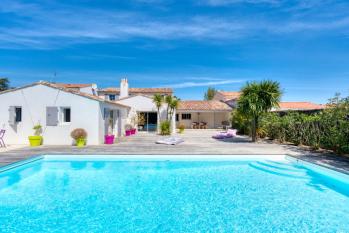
165,128
328,129
241,122
4,84
181,128
256,99
210,93
37,130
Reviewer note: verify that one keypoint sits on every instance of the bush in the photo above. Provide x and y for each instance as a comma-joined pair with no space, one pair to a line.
240,122
165,128
181,128
328,129
78,134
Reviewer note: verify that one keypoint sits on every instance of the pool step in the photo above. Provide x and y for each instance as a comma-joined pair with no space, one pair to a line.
279,169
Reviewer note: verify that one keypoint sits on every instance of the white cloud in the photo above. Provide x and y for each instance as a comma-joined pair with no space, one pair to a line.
229,2
50,27
203,84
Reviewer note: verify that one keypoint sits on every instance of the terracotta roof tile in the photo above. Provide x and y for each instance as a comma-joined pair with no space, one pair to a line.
299,106
227,95
203,105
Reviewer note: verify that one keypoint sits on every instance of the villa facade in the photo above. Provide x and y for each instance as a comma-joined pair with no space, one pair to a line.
59,108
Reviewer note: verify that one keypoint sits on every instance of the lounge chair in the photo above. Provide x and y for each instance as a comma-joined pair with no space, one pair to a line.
228,134
170,141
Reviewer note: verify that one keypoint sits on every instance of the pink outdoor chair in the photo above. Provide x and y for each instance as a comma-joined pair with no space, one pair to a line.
2,133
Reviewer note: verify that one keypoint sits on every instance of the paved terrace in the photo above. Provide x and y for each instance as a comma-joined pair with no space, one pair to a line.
196,142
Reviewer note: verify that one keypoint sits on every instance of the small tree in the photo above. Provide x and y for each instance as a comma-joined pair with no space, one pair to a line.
173,106
158,100
256,99
210,93
4,84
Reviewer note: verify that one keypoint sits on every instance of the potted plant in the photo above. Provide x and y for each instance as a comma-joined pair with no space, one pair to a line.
109,138
134,122
128,129
181,128
37,139
80,136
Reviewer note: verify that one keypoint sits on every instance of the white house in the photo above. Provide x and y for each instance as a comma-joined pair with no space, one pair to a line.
143,112
59,110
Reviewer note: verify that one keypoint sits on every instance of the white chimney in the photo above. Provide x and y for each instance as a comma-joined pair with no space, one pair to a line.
123,88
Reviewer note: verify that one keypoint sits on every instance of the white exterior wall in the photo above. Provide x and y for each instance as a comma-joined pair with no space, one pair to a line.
213,119
145,104
85,113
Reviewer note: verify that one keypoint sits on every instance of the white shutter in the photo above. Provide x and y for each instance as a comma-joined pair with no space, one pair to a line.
51,116
12,115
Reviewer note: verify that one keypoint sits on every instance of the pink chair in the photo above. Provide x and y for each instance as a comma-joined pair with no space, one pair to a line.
2,133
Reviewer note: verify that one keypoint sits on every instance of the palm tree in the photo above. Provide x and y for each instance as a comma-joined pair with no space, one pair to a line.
173,106
168,101
258,98
158,100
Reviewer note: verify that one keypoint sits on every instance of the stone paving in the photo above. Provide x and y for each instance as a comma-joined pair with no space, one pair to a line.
197,142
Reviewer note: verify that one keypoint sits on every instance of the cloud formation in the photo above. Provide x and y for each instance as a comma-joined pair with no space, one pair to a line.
53,26
204,84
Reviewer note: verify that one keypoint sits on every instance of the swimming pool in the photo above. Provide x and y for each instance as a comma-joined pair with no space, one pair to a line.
172,194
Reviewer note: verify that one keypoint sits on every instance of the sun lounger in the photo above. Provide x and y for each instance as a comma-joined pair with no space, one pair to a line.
170,141
222,135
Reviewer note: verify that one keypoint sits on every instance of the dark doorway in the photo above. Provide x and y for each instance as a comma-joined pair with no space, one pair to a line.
147,121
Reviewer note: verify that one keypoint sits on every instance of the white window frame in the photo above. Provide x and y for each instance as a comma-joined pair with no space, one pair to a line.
62,115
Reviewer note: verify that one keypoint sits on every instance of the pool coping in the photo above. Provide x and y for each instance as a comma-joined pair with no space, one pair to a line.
178,157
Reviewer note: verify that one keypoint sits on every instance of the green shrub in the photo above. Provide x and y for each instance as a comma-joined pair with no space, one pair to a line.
181,128
328,129
165,128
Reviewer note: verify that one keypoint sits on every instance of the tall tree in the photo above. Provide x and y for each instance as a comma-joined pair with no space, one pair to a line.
158,100
209,94
258,98
173,106
4,84
168,101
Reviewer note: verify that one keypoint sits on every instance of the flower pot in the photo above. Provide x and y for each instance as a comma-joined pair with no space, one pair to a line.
81,142
128,132
35,140
133,131
109,139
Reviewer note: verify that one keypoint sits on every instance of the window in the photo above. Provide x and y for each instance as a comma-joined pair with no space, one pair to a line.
177,117
18,114
66,118
186,116
112,97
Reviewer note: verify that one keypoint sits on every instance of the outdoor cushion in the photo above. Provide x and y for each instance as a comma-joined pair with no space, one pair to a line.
170,141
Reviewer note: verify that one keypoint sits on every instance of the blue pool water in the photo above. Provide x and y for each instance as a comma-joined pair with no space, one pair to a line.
104,195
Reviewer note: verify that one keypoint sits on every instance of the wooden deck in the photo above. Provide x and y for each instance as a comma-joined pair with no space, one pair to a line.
197,142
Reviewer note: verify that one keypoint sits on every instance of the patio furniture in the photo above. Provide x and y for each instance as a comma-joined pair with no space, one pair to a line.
195,125
203,125
223,135
225,124
170,141
2,134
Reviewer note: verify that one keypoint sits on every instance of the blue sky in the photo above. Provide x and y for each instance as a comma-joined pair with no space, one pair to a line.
187,45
